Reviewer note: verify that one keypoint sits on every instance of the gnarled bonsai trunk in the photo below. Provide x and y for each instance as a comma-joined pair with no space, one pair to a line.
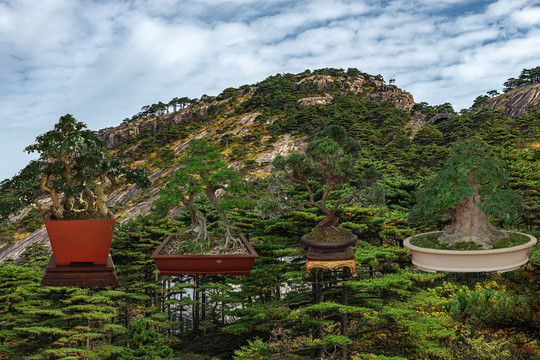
234,242
331,220
470,223
198,225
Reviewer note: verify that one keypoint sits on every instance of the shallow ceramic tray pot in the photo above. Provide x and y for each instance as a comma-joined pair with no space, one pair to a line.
76,241
500,260
170,265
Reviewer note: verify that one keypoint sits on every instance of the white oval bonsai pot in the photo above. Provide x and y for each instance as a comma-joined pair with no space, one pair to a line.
500,260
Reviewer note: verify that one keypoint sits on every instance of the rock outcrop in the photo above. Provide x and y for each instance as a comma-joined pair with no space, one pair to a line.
517,102
403,100
372,89
420,120
283,147
117,135
315,100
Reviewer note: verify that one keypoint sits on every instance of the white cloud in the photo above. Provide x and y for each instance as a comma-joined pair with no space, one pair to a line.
102,61
527,17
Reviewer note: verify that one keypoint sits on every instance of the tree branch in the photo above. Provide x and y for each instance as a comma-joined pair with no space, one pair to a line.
344,201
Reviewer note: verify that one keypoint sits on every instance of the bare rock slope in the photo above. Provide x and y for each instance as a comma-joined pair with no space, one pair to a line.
517,102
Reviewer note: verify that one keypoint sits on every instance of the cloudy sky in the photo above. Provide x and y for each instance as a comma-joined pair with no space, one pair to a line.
103,60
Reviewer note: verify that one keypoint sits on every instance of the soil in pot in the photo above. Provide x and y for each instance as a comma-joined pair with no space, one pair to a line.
430,241
184,244
329,234
329,239
173,264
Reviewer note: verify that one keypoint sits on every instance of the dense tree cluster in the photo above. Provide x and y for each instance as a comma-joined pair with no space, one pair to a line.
527,76
389,311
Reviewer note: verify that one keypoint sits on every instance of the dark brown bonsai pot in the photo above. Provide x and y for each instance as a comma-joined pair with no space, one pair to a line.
329,239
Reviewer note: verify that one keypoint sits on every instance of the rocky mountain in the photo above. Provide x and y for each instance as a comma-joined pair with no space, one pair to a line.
253,124
370,88
518,101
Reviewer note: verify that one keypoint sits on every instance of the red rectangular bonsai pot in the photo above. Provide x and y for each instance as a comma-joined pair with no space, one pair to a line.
171,265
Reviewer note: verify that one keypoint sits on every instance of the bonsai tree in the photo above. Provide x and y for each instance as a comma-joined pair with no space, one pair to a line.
467,190
202,171
72,170
328,163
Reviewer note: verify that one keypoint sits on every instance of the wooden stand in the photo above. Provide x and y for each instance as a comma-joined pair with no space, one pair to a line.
81,275
331,261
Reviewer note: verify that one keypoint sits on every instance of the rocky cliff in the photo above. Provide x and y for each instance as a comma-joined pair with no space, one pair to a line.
517,102
117,135
371,89
368,87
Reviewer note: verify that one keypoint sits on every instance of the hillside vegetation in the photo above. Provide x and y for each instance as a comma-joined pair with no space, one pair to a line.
389,311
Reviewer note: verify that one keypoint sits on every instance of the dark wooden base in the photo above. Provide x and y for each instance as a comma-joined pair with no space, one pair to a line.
80,275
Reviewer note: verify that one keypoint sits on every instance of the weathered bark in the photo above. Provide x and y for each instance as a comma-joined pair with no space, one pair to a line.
90,200
331,220
56,209
101,197
470,223
230,241
198,225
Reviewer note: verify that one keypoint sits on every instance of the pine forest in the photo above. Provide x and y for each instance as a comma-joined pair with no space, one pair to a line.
389,311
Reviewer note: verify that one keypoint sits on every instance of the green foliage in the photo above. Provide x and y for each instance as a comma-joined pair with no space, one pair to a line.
73,170
8,232
389,311
527,76
274,94
524,178
254,348
328,163
32,221
202,167
468,171
201,171
45,322
146,343
428,135
480,101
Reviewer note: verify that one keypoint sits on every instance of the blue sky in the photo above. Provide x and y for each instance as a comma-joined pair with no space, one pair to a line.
103,60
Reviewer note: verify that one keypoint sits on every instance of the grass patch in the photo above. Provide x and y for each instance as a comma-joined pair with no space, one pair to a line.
510,241
431,241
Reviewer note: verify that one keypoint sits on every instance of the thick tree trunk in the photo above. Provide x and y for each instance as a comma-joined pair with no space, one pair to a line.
101,197
101,205
470,223
198,225
230,241
331,220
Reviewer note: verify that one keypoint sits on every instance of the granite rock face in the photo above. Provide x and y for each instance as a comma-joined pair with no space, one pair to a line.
403,100
370,88
517,102
119,134
419,120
